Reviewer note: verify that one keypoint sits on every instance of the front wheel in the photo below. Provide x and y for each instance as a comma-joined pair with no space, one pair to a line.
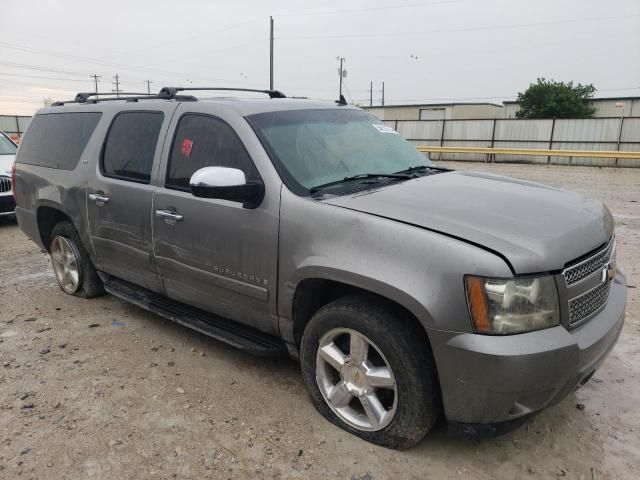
369,371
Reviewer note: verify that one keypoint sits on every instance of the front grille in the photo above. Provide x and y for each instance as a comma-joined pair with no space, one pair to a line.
589,302
592,264
5,184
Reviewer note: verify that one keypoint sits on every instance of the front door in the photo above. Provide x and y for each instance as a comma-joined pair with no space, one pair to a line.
119,198
215,254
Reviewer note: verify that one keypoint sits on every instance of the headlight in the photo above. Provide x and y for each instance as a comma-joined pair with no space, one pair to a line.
504,306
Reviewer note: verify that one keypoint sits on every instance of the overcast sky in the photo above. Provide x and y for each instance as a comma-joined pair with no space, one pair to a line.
424,50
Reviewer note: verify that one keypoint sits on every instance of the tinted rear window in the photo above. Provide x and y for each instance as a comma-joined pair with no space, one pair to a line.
56,140
131,145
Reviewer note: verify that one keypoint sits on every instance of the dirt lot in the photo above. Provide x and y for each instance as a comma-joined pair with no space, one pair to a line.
101,389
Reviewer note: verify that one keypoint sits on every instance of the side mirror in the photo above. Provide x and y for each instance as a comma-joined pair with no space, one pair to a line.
226,184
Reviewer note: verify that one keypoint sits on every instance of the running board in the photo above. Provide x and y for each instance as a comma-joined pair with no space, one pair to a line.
236,334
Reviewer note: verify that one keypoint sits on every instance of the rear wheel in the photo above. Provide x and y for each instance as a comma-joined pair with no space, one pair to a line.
370,371
71,263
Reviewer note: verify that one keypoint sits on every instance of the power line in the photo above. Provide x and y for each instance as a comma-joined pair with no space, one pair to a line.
22,83
367,9
19,100
80,74
41,68
77,58
70,90
42,77
458,30
190,37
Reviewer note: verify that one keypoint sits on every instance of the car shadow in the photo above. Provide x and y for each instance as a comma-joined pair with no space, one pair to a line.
8,220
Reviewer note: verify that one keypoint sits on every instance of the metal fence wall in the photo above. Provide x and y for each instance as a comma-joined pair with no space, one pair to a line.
615,133
612,133
14,125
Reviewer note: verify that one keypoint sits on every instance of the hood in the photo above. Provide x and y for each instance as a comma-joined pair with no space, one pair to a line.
536,228
6,161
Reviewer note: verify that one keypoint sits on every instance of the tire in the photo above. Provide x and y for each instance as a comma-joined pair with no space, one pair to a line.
411,409
88,283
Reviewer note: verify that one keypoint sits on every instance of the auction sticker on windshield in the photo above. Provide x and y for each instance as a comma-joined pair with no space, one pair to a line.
382,128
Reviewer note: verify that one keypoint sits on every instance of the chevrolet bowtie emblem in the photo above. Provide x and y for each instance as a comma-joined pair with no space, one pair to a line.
608,272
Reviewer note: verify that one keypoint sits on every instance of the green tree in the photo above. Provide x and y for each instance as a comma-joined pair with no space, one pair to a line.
551,99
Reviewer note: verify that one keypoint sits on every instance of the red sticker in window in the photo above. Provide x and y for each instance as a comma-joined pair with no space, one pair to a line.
186,147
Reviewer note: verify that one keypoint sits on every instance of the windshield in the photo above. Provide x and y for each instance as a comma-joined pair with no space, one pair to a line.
316,147
7,147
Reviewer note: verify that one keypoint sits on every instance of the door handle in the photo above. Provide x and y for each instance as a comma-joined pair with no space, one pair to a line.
99,198
169,216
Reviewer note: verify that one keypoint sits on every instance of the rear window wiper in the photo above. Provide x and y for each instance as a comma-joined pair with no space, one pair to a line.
362,176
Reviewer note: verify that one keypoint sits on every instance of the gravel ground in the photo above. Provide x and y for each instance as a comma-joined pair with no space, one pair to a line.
102,389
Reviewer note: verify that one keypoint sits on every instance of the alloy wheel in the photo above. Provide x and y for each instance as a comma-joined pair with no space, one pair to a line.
356,379
65,260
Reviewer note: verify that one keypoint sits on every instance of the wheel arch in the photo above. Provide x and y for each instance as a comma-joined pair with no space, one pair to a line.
320,287
47,217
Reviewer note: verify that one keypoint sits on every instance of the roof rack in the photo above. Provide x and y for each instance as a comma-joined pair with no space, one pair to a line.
166,93
85,97
171,92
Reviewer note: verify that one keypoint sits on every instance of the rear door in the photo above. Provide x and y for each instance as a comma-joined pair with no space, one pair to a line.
217,255
119,196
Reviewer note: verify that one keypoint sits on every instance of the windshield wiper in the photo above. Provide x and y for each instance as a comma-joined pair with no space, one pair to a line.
362,176
421,168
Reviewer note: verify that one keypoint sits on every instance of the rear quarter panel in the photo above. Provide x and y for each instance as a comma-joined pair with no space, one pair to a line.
64,190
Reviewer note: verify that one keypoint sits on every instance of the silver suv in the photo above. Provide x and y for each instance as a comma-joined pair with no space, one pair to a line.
311,229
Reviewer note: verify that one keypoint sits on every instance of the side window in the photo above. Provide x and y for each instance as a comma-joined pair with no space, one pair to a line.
130,146
57,140
205,141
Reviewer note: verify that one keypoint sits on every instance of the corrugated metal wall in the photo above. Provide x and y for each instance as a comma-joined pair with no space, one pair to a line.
588,134
14,125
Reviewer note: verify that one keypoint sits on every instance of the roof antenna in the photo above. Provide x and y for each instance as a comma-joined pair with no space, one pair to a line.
342,101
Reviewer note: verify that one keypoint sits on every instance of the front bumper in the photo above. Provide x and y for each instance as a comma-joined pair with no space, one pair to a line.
490,379
7,205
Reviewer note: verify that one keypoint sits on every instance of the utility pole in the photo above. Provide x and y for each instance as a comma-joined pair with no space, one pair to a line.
148,82
341,74
270,53
383,94
116,82
95,82
371,93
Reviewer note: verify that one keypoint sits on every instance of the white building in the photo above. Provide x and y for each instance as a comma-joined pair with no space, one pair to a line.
605,107
437,111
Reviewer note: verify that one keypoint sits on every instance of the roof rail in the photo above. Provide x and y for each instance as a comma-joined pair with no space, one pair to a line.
126,96
166,93
85,96
170,92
